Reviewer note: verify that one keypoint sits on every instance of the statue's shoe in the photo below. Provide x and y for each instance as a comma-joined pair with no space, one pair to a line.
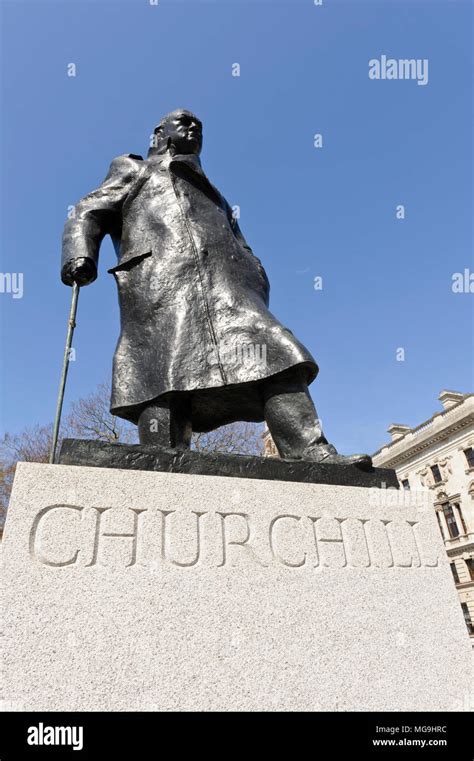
328,454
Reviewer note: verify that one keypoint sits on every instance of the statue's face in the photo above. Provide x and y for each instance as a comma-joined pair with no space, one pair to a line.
184,131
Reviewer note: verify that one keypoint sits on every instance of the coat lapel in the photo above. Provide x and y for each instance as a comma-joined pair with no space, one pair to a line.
189,167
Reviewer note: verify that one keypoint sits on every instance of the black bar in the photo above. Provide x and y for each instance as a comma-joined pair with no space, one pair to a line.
174,735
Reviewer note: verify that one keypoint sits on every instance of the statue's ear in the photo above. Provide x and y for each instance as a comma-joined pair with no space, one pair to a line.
157,141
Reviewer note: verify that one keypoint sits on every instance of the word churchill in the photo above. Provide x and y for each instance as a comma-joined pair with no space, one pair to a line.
154,538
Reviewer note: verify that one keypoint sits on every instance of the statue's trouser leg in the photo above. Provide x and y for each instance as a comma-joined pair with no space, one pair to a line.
291,415
166,423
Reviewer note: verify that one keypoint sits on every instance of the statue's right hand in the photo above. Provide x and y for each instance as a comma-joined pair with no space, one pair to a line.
81,271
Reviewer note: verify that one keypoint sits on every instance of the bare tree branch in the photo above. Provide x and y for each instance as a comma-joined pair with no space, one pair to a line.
236,438
90,418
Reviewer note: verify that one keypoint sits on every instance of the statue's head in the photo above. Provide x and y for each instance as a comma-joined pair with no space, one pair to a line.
179,132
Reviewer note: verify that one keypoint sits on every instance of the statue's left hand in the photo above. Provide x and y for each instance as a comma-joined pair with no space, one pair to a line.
81,271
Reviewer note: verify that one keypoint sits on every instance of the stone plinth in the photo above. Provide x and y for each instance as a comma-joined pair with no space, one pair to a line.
135,590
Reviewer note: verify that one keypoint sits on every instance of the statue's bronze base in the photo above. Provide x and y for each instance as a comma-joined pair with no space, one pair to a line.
100,454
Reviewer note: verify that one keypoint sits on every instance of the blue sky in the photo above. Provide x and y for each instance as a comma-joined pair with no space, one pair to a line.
306,212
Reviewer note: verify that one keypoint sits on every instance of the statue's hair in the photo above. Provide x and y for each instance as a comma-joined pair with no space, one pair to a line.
169,116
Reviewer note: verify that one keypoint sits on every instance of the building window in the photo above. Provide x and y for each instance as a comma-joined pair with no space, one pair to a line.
450,520
436,474
469,456
467,618
454,572
470,567
406,484
440,524
461,518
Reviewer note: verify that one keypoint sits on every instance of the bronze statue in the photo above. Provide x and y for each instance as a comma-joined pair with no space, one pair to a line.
199,347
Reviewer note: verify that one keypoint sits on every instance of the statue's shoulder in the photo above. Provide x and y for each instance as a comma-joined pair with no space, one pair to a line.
128,163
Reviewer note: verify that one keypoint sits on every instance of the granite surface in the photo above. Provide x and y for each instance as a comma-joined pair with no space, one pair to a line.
136,590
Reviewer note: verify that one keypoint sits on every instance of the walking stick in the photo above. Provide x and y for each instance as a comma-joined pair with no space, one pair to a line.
62,384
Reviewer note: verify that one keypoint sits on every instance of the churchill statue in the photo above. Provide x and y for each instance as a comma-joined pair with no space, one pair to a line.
198,346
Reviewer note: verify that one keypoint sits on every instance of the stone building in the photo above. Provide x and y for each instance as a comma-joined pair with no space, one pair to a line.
439,455
269,447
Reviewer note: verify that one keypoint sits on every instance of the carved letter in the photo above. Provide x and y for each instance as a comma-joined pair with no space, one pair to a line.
276,555
34,551
133,535
166,543
331,540
423,558
242,543
403,544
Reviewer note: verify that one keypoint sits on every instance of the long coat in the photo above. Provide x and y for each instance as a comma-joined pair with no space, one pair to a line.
193,297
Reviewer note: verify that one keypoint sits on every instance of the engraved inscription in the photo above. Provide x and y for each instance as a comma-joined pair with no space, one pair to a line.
64,536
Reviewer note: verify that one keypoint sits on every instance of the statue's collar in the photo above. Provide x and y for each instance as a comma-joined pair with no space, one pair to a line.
165,161
190,159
